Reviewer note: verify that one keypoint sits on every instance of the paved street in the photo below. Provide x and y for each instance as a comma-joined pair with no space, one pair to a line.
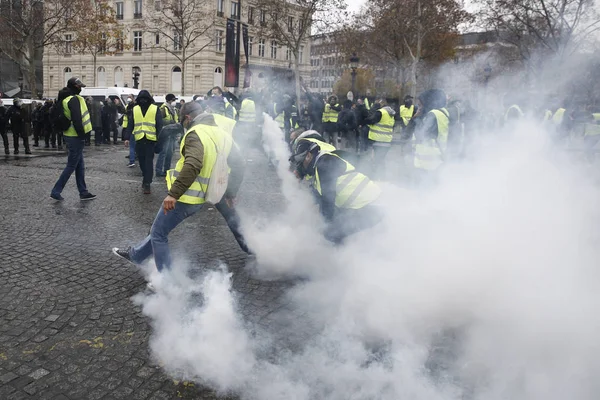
68,326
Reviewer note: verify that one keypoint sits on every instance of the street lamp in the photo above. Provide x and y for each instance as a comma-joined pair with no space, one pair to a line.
354,65
136,78
20,80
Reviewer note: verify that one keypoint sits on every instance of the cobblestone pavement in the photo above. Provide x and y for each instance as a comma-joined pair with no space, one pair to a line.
68,327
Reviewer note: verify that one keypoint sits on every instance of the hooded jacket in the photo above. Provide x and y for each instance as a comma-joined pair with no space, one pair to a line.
426,124
144,99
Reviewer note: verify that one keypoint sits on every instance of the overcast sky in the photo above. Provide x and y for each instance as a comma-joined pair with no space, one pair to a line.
354,5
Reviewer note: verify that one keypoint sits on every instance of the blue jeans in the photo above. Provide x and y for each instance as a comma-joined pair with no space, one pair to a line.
163,161
74,164
157,242
132,149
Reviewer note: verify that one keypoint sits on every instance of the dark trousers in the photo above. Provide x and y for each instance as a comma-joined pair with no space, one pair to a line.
348,221
145,152
378,162
74,164
233,222
23,136
163,161
37,133
330,132
4,137
97,134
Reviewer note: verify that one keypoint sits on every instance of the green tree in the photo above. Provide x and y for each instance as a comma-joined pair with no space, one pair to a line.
364,80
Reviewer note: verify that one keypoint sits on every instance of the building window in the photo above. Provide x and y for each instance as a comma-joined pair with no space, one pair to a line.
119,45
290,23
251,15
273,49
220,7
137,9
235,10
157,39
137,41
177,42
263,17
301,54
119,13
157,5
219,40
250,45
300,25
68,43
288,54
261,47
102,45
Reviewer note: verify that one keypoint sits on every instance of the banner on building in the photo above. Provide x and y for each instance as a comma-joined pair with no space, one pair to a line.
247,72
232,68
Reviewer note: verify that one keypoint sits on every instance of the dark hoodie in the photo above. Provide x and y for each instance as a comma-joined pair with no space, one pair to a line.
144,99
74,107
426,124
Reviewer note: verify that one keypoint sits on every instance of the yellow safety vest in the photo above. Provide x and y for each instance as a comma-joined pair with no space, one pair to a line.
547,115
227,105
280,119
367,104
592,129
353,189
85,116
325,147
330,115
515,108
145,125
125,121
225,123
558,116
248,111
211,138
381,132
168,117
406,113
429,154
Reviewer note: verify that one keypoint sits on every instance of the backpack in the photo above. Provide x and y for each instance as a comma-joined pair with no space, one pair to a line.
58,119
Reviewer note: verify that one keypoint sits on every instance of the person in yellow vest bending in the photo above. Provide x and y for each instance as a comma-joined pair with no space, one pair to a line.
77,118
381,125
345,196
145,124
188,184
431,132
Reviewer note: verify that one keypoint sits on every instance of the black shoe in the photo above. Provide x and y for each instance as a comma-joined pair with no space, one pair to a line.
36,145
147,189
6,151
16,152
160,174
56,197
47,146
27,151
123,253
60,147
53,146
87,196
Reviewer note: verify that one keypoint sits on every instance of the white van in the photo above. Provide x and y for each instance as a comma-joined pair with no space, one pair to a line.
101,93
9,101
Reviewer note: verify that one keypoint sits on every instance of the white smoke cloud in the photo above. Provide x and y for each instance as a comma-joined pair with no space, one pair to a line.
485,286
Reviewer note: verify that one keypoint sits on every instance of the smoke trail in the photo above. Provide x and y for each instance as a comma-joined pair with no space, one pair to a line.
484,287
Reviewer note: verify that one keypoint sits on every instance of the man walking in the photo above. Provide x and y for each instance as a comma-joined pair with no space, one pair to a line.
17,125
188,184
171,129
75,110
145,124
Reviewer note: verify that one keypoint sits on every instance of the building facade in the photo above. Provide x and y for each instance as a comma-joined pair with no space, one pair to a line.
161,72
327,63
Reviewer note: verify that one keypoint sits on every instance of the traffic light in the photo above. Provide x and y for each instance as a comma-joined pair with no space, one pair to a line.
136,79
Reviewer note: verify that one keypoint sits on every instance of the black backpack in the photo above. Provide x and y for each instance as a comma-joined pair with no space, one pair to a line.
58,119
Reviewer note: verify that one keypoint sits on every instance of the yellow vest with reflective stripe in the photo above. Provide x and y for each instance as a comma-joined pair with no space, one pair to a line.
326,147
515,108
406,113
145,125
592,129
353,189
85,116
330,115
248,111
429,154
381,132
125,121
169,117
211,137
558,116
225,123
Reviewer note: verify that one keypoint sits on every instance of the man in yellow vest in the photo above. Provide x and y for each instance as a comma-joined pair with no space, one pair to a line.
431,133
330,120
188,184
345,196
168,135
145,124
246,130
77,117
381,126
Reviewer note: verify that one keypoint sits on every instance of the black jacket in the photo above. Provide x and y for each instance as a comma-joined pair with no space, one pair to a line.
74,107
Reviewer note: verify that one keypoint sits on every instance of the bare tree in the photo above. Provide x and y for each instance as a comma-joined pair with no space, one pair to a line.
541,28
291,22
97,31
27,26
185,27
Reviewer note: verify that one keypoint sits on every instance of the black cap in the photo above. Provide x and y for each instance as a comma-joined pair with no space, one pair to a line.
170,97
74,81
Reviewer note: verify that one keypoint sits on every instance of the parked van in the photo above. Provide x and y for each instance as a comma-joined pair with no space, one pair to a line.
101,93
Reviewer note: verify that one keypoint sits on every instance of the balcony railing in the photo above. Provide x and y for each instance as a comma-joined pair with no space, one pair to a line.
137,15
119,16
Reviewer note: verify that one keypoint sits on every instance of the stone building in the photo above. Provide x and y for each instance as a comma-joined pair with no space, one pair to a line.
161,72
